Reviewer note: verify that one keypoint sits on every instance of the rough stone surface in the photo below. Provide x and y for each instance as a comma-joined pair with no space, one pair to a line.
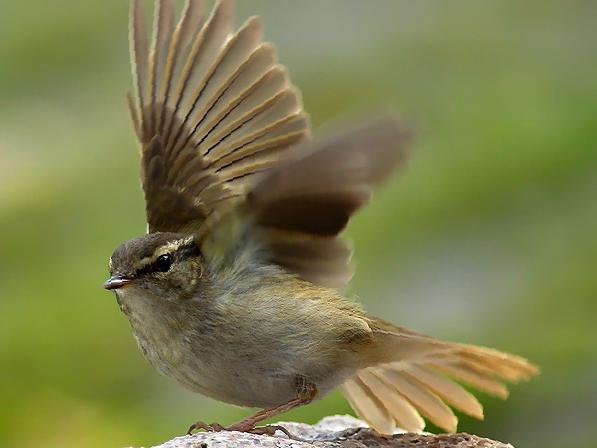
331,432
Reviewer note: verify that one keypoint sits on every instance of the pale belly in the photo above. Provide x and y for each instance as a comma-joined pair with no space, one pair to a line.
221,375
235,362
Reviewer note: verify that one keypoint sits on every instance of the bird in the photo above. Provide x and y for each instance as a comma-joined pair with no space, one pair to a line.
235,290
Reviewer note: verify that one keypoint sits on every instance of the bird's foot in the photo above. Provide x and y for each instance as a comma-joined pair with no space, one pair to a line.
268,430
209,427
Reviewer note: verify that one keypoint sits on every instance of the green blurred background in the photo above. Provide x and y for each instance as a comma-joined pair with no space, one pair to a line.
490,236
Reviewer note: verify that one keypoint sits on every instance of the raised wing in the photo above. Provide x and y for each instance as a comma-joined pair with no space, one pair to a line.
300,208
212,109
223,135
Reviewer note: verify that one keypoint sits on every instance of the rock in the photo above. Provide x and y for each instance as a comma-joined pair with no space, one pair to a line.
331,432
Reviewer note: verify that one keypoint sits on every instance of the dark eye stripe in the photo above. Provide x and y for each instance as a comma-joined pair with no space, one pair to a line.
182,253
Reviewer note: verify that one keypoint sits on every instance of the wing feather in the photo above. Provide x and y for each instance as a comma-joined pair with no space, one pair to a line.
223,73
223,133
312,196
200,89
158,56
205,50
257,97
139,49
249,73
180,46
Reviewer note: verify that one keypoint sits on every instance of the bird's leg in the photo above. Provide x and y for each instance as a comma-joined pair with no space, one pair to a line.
306,391
248,424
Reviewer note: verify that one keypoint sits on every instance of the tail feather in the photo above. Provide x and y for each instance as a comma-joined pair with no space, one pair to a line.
511,367
402,412
491,367
366,403
425,401
450,392
421,377
474,378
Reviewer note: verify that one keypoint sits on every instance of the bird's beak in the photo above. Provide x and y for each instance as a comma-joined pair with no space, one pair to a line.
116,282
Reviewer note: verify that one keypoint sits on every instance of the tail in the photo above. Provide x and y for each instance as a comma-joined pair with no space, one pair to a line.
420,379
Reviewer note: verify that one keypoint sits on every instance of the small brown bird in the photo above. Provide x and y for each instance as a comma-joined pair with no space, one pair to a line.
233,292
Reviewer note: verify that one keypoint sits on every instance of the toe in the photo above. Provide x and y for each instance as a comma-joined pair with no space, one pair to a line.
200,425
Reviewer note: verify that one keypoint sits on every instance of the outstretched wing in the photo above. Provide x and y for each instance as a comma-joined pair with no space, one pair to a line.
212,109
301,207
223,135
295,214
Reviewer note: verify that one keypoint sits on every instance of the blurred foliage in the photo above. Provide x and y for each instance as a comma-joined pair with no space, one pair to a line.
489,237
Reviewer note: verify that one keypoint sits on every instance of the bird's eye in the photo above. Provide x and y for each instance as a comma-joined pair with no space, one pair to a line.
163,263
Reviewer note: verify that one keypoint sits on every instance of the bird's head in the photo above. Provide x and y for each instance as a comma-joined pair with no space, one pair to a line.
165,265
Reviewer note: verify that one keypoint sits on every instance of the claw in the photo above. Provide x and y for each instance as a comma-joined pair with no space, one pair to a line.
268,430
214,427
